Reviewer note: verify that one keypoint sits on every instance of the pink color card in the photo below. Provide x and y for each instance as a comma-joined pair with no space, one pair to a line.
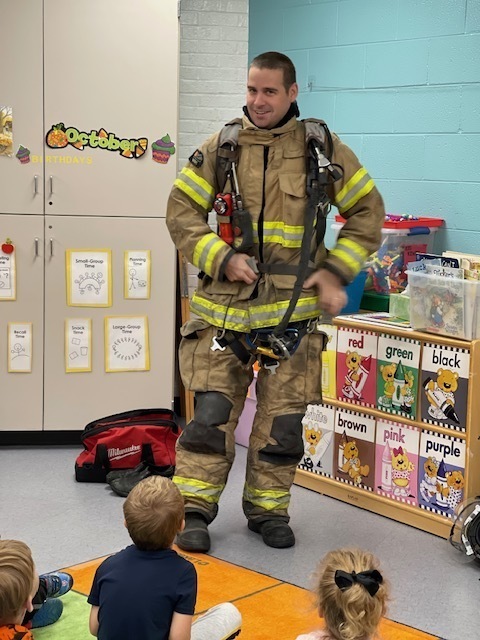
396,461
357,366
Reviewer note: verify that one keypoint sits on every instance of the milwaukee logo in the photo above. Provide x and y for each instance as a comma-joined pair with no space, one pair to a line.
117,454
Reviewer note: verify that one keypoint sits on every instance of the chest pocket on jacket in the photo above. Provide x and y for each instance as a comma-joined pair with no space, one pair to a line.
293,195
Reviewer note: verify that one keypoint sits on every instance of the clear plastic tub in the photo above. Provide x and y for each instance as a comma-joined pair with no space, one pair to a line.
447,306
400,241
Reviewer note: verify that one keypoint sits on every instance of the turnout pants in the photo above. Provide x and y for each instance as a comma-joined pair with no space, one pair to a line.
206,448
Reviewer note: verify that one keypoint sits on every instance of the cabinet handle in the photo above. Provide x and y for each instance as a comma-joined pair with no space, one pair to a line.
51,247
36,247
35,185
51,185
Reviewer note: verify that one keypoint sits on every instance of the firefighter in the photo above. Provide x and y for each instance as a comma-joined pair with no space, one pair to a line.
245,293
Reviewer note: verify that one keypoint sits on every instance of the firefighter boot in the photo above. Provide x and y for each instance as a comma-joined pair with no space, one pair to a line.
195,536
275,533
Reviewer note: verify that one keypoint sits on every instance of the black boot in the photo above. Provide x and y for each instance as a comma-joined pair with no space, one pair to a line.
195,536
275,533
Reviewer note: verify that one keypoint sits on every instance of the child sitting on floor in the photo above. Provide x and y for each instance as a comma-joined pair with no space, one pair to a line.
18,586
26,601
351,596
147,590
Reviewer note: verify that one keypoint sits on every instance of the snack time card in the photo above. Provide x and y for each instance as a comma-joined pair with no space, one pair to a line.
444,385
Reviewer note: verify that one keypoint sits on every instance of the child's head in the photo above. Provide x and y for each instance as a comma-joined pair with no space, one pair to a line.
18,581
351,594
154,513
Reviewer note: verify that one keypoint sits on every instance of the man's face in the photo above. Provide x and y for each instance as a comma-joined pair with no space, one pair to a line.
267,99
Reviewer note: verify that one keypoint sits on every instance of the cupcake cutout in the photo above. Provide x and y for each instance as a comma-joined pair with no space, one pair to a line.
162,149
23,154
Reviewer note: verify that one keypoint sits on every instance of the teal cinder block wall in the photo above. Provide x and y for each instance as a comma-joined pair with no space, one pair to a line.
399,82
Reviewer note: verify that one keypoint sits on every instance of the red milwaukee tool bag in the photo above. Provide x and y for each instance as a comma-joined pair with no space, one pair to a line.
124,440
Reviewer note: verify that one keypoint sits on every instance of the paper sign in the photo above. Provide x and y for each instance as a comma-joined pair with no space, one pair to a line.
137,275
78,345
8,276
89,277
126,343
20,347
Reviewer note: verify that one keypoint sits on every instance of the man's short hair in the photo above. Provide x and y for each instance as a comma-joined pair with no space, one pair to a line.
276,60
154,511
17,572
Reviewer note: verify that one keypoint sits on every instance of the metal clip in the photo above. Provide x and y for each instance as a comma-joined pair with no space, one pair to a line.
216,346
271,366
279,348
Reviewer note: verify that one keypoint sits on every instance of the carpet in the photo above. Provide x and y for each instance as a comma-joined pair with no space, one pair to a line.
270,608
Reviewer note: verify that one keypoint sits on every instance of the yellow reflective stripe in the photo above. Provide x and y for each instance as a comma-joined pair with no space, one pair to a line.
196,188
191,488
284,234
206,251
358,186
219,315
350,253
255,317
269,500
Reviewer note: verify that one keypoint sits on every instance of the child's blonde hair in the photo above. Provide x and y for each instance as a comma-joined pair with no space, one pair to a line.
351,605
17,573
154,512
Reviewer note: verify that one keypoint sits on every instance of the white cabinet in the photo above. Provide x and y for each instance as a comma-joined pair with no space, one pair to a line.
108,69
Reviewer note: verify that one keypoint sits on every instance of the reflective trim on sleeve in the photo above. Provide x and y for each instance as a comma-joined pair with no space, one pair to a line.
206,250
191,488
358,186
353,255
269,500
196,188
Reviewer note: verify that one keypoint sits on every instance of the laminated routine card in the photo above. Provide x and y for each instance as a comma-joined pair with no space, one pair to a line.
89,277
137,269
20,347
78,345
126,343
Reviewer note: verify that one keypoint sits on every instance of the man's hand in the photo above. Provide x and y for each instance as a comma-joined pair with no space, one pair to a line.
238,270
330,290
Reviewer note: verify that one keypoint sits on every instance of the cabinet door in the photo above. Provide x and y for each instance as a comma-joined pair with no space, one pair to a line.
110,65
74,399
21,90
21,406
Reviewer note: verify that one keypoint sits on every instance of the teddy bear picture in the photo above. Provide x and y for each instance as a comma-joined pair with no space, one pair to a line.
388,374
358,368
428,485
352,464
402,468
453,492
441,395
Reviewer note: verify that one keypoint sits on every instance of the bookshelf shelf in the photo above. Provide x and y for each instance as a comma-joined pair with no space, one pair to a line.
433,437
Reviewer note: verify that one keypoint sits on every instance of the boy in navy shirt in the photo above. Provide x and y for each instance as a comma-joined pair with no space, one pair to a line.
147,591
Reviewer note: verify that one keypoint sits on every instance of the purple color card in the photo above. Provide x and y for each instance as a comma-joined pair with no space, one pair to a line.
441,473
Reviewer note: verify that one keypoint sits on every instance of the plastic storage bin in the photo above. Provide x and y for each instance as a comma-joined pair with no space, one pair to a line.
447,306
401,239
